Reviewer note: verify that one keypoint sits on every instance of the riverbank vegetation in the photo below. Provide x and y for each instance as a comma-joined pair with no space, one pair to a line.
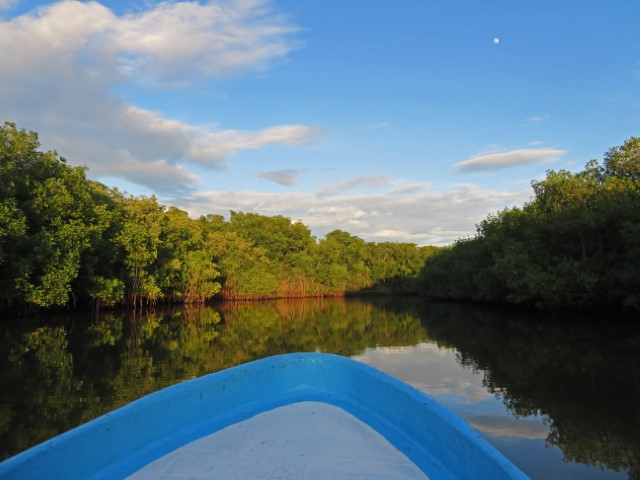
575,244
67,241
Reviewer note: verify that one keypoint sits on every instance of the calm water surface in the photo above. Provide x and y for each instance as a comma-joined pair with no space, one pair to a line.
561,400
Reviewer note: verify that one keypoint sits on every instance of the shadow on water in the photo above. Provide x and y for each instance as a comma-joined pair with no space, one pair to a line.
585,377
582,374
60,372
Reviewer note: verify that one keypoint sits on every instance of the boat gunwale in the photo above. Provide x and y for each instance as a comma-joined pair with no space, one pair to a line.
121,442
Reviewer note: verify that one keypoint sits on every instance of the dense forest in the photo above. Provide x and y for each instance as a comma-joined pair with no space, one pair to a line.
67,241
576,243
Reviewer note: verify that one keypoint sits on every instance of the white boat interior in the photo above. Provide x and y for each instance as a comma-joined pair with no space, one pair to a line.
294,416
306,440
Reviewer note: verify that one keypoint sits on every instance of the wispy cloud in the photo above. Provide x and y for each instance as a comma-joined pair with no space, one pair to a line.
67,58
216,38
285,178
211,148
511,158
6,4
424,217
535,119
406,188
362,182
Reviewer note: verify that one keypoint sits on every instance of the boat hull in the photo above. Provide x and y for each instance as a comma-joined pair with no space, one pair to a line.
122,442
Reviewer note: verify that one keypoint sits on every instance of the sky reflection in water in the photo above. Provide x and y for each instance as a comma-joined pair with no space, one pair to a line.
437,372
560,400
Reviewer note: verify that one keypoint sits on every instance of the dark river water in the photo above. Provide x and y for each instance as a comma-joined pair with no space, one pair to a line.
559,397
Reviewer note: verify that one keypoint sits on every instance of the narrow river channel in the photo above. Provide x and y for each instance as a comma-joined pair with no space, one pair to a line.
559,397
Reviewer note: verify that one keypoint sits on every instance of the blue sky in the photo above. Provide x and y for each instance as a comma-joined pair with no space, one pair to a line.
407,121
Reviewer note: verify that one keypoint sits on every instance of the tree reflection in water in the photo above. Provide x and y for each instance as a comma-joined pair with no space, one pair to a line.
56,377
584,377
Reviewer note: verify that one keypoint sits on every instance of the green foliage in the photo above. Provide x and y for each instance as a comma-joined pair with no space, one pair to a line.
13,226
342,263
247,270
65,240
187,270
47,221
198,277
139,237
277,235
575,244
623,161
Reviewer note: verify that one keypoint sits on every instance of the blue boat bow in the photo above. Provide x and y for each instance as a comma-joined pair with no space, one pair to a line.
124,441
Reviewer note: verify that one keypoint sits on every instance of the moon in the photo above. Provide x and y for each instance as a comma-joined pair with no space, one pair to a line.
496,40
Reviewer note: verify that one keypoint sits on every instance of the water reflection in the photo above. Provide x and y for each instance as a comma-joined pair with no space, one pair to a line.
555,399
427,367
583,378
60,372
522,438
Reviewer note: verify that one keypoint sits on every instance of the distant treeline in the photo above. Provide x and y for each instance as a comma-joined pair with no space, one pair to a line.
575,244
67,241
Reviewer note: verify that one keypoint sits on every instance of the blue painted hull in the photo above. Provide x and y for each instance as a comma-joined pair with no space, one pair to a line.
125,440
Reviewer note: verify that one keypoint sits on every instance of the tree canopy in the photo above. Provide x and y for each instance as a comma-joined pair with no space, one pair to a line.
66,240
576,243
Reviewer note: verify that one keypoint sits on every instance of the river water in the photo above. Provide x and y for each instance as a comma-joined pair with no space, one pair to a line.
560,397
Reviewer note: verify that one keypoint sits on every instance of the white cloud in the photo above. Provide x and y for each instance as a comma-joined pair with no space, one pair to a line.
6,4
362,182
451,386
424,217
212,39
405,188
159,175
511,158
285,178
69,57
214,147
